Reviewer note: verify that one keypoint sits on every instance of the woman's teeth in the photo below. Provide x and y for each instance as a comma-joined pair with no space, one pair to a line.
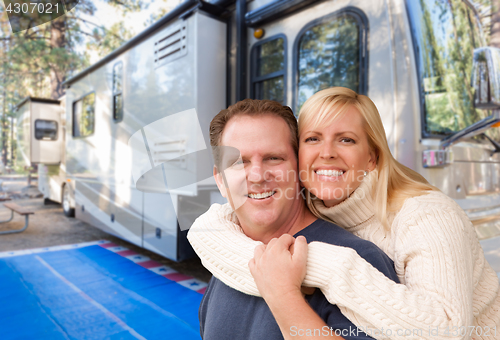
330,172
261,196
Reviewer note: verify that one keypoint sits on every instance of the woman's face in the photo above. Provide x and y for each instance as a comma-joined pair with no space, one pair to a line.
333,159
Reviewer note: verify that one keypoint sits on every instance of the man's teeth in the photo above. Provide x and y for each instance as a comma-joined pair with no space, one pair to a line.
330,172
262,195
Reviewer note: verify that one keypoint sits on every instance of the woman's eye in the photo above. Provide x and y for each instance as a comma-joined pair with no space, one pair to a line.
311,139
347,140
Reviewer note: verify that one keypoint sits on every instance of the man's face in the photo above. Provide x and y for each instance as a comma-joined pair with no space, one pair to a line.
263,182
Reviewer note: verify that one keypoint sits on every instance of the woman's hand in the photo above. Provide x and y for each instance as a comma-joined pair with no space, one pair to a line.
280,267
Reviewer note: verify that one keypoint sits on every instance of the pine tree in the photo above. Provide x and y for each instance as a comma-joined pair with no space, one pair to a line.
36,62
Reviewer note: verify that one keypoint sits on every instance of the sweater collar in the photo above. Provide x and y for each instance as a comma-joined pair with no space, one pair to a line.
354,210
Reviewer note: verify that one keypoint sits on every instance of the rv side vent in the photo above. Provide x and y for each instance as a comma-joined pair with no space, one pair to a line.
171,152
171,44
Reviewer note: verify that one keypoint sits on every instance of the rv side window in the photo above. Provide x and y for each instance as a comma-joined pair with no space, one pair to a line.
117,92
84,116
445,34
268,69
45,129
332,52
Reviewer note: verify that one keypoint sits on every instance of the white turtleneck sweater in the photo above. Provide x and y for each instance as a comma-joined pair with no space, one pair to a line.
447,287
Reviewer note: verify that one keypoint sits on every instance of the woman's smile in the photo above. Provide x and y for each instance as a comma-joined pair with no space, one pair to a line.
333,159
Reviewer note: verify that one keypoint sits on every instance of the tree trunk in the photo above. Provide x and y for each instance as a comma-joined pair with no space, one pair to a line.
57,44
2,122
495,24
4,128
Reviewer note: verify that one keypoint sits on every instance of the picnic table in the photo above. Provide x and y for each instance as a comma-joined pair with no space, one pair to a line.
18,209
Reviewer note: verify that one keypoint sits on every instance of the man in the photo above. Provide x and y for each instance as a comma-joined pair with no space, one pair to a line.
263,188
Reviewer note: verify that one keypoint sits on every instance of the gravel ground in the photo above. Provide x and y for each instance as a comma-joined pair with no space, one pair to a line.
49,227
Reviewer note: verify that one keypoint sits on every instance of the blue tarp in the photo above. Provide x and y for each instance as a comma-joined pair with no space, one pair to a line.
91,293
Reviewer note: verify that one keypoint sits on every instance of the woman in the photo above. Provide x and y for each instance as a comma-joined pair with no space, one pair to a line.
447,288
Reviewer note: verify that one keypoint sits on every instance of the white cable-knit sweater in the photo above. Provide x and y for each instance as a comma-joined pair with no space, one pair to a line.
446,284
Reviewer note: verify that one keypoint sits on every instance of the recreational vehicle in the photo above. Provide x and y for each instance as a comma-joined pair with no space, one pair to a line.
426,64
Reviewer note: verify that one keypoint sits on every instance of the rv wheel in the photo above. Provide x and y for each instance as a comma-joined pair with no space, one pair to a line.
68,211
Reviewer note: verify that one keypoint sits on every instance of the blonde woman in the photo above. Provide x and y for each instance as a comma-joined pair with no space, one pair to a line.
447,289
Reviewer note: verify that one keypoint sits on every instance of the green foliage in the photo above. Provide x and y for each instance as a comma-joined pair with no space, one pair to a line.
37,61
50,53
19,169
164,7
106,41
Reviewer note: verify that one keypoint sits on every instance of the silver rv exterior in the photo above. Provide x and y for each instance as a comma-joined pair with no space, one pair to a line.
179,67
413,58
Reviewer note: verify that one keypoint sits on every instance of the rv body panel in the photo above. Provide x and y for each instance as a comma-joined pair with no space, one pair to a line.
98,205
153,88
102,199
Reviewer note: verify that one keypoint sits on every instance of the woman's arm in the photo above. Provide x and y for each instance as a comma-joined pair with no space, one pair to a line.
223,248
432,244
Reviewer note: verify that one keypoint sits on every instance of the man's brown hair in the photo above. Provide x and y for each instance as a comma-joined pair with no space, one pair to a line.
252,107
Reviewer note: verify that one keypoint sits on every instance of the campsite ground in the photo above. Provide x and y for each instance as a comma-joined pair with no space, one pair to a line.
49,227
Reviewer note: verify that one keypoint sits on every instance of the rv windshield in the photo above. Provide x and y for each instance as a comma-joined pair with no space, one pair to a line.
445,35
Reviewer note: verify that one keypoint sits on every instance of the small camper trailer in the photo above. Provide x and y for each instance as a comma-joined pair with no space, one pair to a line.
39,129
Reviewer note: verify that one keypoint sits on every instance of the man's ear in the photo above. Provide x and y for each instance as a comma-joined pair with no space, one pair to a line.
220,182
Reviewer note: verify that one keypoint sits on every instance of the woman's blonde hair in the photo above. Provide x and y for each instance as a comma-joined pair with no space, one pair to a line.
396,182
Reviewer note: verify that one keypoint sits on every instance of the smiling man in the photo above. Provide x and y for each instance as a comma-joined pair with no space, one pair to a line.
261,183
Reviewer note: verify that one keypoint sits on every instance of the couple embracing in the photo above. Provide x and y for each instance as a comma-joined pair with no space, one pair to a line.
326,235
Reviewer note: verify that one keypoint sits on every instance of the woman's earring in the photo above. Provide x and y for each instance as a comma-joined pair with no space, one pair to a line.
366,173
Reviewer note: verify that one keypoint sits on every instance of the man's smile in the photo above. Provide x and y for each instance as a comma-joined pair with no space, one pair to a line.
261,196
